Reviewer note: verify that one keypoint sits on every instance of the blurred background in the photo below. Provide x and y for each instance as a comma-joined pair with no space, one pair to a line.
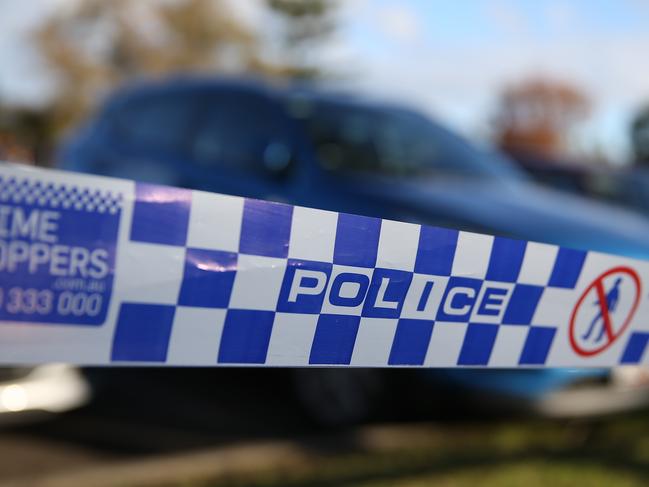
552,76
527,119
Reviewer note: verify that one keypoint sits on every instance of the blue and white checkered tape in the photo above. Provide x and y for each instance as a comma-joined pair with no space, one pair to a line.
97,270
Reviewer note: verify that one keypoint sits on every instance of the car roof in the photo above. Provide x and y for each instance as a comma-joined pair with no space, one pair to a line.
207,84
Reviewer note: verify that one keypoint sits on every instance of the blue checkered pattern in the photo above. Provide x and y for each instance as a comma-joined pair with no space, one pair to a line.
248,281
64,196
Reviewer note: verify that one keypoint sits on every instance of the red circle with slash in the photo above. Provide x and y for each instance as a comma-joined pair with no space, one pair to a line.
611,334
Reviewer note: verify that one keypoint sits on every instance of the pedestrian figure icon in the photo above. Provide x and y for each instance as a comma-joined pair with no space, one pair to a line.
612,298
615,294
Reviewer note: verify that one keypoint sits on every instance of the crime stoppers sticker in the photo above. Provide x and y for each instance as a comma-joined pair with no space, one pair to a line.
57,251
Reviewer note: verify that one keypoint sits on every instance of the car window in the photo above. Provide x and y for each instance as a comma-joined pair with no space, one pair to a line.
628,189
160,121
394,143
242,132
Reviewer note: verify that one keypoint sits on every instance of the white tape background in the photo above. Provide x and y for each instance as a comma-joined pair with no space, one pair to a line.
251,328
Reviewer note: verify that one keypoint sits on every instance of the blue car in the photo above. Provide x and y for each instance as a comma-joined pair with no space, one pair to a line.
341,153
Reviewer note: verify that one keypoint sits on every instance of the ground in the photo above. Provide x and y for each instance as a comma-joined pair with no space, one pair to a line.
239,428
523,452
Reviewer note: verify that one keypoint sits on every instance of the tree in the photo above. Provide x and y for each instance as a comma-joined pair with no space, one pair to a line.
94,45
24,134
305,23
539,117
100,44
640,137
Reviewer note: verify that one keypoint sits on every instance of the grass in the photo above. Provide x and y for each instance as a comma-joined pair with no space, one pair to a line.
488,453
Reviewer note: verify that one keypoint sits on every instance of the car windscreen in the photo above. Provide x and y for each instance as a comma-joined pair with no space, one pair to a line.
394,143
156,120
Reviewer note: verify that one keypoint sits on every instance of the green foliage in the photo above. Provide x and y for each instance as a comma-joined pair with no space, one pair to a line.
493,454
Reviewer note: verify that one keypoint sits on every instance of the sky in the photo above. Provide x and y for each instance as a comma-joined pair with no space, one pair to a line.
454,57
448,58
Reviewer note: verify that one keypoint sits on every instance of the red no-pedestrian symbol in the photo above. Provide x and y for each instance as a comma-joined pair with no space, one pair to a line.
604,310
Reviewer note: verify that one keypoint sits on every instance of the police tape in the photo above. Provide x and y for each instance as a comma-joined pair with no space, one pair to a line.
97,270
